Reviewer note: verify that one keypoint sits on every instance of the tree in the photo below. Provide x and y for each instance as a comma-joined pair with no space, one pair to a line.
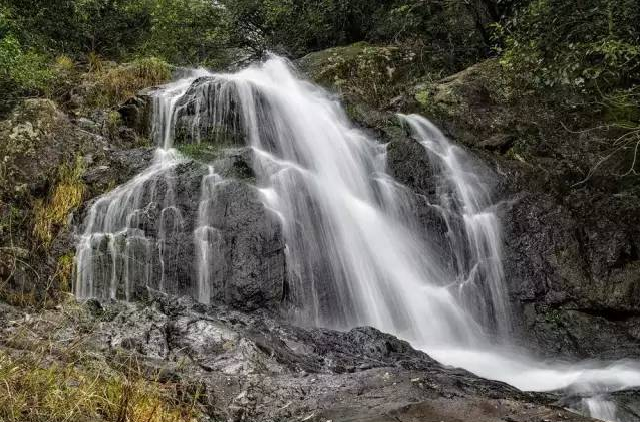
187,32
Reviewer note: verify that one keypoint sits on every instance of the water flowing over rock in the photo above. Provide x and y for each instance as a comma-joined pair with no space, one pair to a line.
316,226
150,231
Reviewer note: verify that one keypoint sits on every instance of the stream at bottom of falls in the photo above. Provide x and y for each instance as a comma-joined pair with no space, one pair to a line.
585,384
355,251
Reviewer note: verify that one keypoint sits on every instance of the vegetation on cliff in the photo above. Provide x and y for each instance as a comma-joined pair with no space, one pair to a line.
547,89
576,60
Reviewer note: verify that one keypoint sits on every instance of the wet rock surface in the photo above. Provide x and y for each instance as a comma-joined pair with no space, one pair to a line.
249,271
570,233
249,367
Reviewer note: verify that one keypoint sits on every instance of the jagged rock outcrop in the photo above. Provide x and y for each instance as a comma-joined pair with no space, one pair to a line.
41,149
249,367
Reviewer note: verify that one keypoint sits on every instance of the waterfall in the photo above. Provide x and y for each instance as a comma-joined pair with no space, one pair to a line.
207,239
356,252
477,243
114,253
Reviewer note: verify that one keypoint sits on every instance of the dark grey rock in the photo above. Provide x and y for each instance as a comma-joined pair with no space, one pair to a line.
250,367
249,271
136,113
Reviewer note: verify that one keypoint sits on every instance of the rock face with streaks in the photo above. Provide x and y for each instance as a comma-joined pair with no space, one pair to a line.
157,245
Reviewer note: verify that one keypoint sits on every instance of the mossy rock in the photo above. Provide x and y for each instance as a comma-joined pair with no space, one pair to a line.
373,74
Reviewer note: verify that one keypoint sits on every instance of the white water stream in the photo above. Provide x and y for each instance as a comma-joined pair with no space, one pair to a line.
356,252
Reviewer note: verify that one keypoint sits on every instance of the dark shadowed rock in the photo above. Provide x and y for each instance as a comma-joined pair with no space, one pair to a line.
136,113
248,270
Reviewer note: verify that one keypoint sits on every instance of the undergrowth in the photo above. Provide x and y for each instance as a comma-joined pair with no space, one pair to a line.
51,215
116,84
45,379
34,390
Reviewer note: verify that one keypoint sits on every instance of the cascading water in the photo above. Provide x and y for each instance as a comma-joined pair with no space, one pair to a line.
207,239
114,253
477,243
356,252
600,408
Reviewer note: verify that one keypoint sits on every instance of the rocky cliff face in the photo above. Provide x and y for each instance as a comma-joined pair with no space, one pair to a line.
570,237
570,219
52,162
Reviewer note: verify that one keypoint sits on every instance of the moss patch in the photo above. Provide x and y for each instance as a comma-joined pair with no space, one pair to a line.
203,152
369,73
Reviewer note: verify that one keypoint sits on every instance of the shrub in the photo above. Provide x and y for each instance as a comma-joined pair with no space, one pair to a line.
187,32
116,84
590,46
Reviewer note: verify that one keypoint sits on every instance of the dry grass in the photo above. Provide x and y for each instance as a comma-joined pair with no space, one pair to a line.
67,195
21,298
63,273
64,63
34,390
44,378
116,84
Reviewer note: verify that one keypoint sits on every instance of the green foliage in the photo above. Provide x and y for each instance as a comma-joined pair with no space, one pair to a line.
107,27
187,32
27,70
453,33
586,46
297,27
179,31
22,71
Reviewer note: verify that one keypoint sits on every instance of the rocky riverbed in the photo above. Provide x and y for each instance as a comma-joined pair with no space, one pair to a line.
251,367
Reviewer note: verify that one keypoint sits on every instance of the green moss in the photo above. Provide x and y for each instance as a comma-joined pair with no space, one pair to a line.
203,152
422,96
372,74
553,316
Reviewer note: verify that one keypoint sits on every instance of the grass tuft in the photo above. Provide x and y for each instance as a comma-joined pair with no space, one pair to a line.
116,84
36,390
51,215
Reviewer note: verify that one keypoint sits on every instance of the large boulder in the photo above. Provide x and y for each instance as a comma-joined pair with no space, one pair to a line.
170,218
